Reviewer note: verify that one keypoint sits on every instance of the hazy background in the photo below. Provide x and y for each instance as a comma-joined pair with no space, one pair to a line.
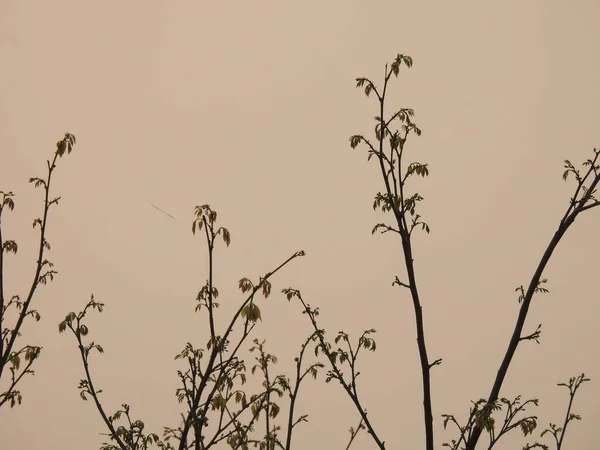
248,106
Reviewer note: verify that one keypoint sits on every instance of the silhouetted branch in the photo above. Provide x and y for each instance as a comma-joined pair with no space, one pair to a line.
582,199
402,206
43,273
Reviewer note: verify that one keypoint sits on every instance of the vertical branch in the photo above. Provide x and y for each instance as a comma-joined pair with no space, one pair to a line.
7,202
573,385
394,200
210,240
312,369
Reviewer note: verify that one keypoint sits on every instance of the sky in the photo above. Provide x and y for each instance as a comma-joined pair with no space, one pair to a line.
248,107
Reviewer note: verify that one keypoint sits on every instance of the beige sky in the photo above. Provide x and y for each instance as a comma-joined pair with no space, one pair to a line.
248,106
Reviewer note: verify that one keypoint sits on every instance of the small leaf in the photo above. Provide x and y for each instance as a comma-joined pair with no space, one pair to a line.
245,285
10,247
251,312
226,236
266,288
8,202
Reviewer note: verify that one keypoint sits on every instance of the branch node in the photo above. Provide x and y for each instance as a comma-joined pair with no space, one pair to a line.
437,362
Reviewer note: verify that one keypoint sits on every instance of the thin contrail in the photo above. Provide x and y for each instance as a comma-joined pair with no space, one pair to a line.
164,212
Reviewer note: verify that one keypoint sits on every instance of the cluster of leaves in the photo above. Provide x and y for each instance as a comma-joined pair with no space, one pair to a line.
484,416
217,405
15,310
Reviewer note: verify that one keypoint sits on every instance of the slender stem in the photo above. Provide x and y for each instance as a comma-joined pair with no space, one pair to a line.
94,394
572,391
1,292
210,239
5,396
400,215
36,279
351,391
294,394
353,433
